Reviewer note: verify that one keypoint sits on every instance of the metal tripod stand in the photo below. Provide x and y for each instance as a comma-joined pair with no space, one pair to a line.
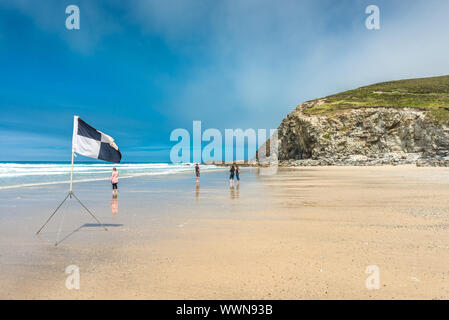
70,195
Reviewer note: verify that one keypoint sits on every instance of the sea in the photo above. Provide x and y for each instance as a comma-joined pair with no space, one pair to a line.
26,174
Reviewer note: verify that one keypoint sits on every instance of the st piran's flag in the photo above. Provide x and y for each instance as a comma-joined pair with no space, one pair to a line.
90,142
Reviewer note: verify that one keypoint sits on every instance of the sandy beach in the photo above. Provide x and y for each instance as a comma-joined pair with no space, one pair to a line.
306,233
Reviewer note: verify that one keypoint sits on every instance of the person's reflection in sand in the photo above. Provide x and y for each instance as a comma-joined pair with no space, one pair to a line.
114,206
232,192
197,192
235,192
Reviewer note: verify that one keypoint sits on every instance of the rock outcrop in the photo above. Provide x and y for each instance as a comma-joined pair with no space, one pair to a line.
362,136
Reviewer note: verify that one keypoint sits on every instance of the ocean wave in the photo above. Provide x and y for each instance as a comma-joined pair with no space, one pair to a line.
17,175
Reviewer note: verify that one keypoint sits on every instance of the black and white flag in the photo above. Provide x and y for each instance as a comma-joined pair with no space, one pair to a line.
90,142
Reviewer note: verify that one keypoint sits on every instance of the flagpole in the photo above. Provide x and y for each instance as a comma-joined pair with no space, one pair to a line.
71,174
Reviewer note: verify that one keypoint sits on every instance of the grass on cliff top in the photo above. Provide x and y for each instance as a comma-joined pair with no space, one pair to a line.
431,94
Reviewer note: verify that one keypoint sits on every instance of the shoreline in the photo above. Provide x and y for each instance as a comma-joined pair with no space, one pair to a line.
321,163
37,184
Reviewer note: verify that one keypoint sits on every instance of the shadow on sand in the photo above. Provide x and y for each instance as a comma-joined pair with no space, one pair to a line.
88,225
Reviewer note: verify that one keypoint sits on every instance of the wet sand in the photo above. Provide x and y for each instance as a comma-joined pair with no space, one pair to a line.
306,233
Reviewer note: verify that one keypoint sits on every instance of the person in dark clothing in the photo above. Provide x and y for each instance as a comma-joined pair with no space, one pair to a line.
231,176
197,173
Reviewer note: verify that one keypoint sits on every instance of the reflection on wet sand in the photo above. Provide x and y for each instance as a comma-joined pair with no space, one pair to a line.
197,192
235,192
114,206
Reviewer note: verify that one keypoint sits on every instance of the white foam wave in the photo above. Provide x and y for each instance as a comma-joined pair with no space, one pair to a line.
16,175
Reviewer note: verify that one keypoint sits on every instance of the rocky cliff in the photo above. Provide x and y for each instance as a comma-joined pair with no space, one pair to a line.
371,126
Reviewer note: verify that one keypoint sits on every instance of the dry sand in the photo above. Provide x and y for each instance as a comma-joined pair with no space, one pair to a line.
306,233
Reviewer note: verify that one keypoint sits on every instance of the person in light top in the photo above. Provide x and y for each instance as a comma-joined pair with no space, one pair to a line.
114,182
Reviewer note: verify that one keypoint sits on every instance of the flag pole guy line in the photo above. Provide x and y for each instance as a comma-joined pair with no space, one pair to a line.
92,143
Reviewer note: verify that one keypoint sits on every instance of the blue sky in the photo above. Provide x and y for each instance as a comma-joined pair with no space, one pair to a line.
139,69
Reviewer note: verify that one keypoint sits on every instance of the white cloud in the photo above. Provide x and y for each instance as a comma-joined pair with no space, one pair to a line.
266,57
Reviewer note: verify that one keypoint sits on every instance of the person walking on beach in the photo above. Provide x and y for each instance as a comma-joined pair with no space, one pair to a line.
114,182
197,173
231,177
237,174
